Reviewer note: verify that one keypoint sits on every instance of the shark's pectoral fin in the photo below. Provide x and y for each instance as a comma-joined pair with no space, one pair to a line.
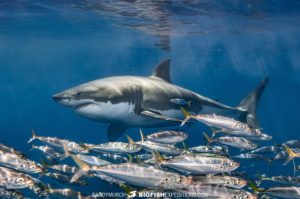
158,116
115,131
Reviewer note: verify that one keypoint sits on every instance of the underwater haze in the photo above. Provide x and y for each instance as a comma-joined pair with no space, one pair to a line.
219,49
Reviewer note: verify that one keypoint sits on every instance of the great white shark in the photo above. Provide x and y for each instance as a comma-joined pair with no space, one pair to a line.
133,101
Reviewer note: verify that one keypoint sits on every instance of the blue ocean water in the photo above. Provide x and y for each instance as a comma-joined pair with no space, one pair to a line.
220,49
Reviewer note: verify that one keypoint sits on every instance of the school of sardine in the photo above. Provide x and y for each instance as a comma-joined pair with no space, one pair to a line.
158,162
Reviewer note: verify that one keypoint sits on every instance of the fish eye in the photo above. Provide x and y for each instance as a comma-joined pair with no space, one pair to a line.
21,180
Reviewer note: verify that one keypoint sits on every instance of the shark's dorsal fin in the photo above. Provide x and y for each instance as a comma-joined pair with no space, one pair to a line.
162,70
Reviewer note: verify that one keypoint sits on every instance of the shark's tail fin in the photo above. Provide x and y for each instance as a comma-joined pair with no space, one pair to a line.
249,104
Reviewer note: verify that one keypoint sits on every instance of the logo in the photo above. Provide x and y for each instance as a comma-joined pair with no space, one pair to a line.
132,194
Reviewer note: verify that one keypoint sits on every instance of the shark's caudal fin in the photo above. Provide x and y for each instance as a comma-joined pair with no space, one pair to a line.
249,104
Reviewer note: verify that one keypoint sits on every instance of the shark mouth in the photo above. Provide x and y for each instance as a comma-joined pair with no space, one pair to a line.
82,105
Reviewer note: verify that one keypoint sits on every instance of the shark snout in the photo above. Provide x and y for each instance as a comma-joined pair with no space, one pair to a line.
62,98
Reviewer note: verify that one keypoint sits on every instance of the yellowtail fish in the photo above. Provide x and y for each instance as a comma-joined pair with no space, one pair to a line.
226,124
288,180
12,150
107,179
114,157
291,192
65,179
59,143
250,156
49,153
13,161
10,179
181,102
267,149
262,137
135,174
167,137
200,163
61,167
236,142
208,149
216,192
227,181
283,155
92,160
161,148
8,193
68,193
292,143
114,147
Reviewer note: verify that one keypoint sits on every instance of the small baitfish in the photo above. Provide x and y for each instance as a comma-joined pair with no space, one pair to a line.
10,179
8,193
216,192
167,137
60,143
201,164
267,149
181,102
12,150
13,161
227,181
236,142
226,124
161,148
65,179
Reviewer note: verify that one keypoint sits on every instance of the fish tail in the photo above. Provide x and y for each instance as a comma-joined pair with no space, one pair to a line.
33,136
184,146
130,158
84,146
130,140
291,153
269,160
45,164
189,103
187,116
142,136
33,147
255,189
138,159
209,140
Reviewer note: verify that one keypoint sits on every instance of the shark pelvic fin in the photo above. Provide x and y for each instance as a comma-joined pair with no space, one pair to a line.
158,116
115,130
162,70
